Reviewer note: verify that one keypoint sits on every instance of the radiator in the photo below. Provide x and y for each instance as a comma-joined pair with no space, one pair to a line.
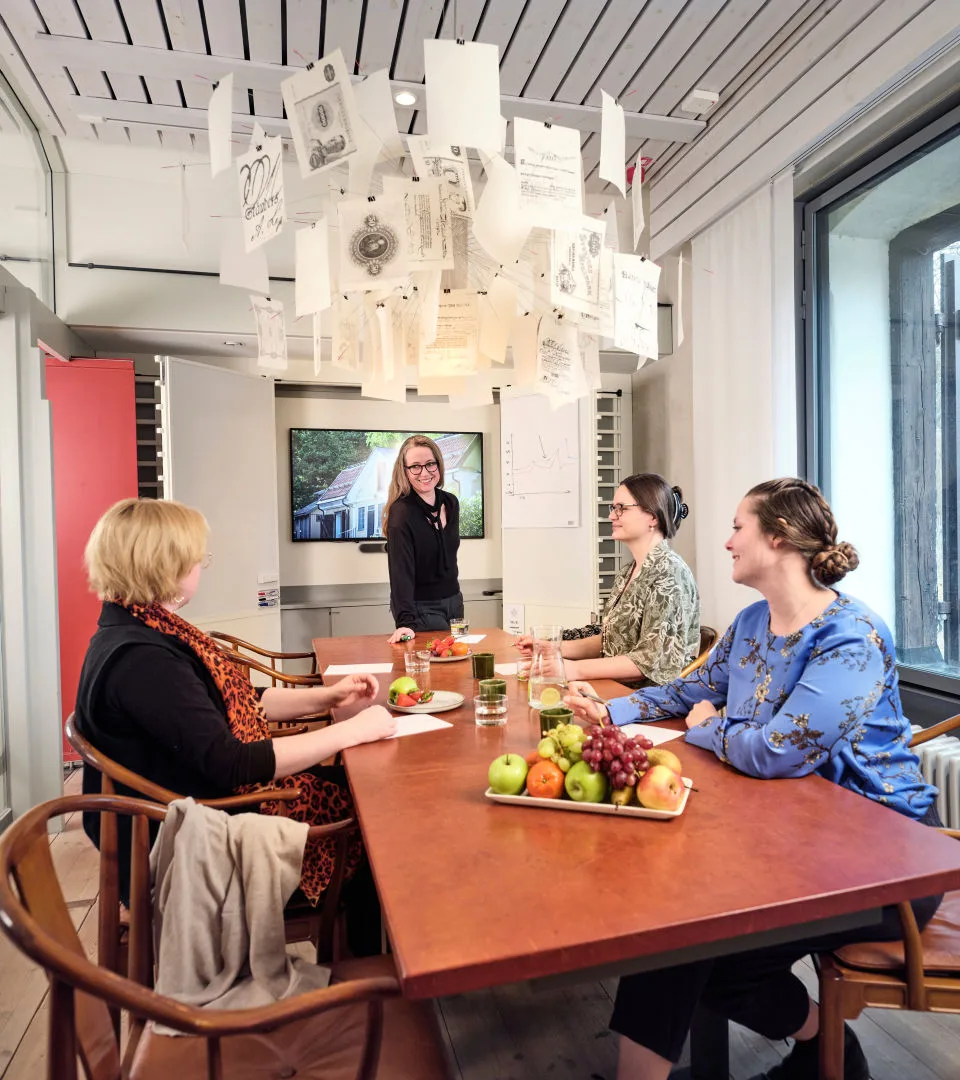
940,765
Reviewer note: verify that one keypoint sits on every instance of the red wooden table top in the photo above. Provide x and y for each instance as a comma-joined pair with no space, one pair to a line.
477,893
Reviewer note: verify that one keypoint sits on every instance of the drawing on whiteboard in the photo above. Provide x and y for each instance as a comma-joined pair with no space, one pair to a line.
540,463
540,468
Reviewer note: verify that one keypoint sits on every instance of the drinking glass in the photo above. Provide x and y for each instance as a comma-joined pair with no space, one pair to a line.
459,627
490,711
483,664
550,718
546,667
416,663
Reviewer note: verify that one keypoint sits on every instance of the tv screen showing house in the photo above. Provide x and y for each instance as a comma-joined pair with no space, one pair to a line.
339,480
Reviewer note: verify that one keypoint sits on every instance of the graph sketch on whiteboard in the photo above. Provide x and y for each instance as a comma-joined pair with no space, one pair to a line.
540,463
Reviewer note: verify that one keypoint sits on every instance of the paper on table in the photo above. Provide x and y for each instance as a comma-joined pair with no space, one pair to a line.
613,143
550,170
499,226
260,175
635,316
656,735
505,669
463,93
322,113
271,333
220,124
636,203
313,269
417,724
357,669
471,639
246,270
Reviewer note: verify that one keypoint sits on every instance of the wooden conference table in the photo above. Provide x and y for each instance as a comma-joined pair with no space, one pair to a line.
476,893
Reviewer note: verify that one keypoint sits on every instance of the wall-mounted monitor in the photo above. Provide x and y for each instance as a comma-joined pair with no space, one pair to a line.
339,480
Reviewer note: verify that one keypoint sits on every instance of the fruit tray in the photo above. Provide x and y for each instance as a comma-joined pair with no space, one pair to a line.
592,808
449,659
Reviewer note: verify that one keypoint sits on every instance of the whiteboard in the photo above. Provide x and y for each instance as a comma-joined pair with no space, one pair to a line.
539,463
220,456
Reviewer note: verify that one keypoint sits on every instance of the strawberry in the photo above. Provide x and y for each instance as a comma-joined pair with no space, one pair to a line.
417,695
447,652
405,701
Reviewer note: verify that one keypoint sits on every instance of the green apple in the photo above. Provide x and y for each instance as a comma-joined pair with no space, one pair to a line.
507,774
585,785
403,685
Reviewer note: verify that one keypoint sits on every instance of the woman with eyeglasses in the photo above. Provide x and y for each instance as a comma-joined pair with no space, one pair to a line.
650,625
162,698
421,522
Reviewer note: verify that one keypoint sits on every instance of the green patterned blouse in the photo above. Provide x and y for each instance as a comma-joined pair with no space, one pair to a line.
655,620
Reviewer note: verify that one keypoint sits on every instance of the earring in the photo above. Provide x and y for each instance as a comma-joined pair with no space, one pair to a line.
178,600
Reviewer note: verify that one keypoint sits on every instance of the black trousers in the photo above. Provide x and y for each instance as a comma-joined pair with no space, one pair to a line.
436,614
756,989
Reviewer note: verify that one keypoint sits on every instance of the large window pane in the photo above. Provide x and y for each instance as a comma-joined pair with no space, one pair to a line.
887,273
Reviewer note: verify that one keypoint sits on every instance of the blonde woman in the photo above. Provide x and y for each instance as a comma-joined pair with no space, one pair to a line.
421,522
160,697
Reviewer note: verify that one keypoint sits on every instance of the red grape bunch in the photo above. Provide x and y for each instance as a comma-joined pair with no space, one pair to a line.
617,755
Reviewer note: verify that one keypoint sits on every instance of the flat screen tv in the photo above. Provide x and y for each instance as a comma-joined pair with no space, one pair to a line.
339,480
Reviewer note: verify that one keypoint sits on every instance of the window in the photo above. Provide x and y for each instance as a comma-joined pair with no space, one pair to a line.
370,520
884,274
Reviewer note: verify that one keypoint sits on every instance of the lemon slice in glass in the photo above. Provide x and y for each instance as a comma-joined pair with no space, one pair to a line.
549,697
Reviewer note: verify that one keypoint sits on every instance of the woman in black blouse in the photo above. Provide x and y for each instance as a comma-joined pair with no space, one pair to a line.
421,522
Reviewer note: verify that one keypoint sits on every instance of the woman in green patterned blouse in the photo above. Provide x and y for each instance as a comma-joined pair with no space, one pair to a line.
650,625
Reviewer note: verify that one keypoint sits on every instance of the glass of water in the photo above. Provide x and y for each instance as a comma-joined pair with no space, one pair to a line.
416,663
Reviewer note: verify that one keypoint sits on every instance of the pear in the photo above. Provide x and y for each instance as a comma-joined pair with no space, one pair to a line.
622,796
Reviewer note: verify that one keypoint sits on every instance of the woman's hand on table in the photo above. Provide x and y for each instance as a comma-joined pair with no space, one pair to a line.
352,688
587,713
402,633
371,725
703,710
524,644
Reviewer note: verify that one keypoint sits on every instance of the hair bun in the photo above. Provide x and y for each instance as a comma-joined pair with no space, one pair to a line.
835,562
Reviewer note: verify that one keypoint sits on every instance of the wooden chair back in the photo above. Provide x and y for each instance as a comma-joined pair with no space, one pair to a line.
317,924
921,974
34,915
264,656
708,637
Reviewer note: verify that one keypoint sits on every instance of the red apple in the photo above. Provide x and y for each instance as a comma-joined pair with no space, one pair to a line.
660,789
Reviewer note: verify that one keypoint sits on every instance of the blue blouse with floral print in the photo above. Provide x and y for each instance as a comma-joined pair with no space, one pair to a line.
824,699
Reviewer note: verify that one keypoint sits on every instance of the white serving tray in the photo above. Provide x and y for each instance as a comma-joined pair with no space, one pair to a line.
592,808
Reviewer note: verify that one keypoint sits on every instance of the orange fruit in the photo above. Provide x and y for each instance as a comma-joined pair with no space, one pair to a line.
545,780
459,649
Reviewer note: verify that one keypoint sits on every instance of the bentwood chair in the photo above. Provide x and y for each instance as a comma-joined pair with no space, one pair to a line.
708,637
248,665
357,1028
265,656
921,973
303,920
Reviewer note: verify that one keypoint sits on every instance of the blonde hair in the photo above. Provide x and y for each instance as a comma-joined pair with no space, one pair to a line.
141,549
797,512
400,481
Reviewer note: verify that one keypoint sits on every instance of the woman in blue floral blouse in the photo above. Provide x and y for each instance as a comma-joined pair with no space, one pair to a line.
808,682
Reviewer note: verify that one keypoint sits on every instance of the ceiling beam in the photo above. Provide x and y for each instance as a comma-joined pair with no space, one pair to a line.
252,75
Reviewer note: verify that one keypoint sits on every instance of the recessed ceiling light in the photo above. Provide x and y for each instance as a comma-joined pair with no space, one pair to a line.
234,344
407,98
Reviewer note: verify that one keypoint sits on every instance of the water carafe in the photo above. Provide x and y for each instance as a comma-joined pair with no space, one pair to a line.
546,667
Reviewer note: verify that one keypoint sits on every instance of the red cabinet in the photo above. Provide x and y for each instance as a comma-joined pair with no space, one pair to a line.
94,464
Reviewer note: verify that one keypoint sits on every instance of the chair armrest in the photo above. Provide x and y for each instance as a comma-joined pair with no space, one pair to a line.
317,831
950,724
252,798
282,733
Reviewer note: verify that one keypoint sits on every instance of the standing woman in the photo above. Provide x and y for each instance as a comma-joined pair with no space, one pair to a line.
421,522
650,626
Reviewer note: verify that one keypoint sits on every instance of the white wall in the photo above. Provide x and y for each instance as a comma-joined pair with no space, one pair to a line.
861,470
332,564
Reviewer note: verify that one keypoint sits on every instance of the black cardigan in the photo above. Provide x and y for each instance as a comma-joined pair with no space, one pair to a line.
146,700
414,558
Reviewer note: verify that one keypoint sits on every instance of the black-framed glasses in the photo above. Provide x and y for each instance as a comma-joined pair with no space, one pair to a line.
430,466
617,509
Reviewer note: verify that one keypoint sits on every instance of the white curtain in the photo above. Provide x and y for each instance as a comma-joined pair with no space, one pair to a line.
744,376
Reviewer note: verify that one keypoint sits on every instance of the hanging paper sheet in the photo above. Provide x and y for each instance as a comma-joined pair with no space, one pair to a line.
428,240
453,352
463,93
260,173
550,169
271,333
636,203
312,291
322,113
373,244
559,363
635,316
376,130
220,125
499,225
575,257
613,143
